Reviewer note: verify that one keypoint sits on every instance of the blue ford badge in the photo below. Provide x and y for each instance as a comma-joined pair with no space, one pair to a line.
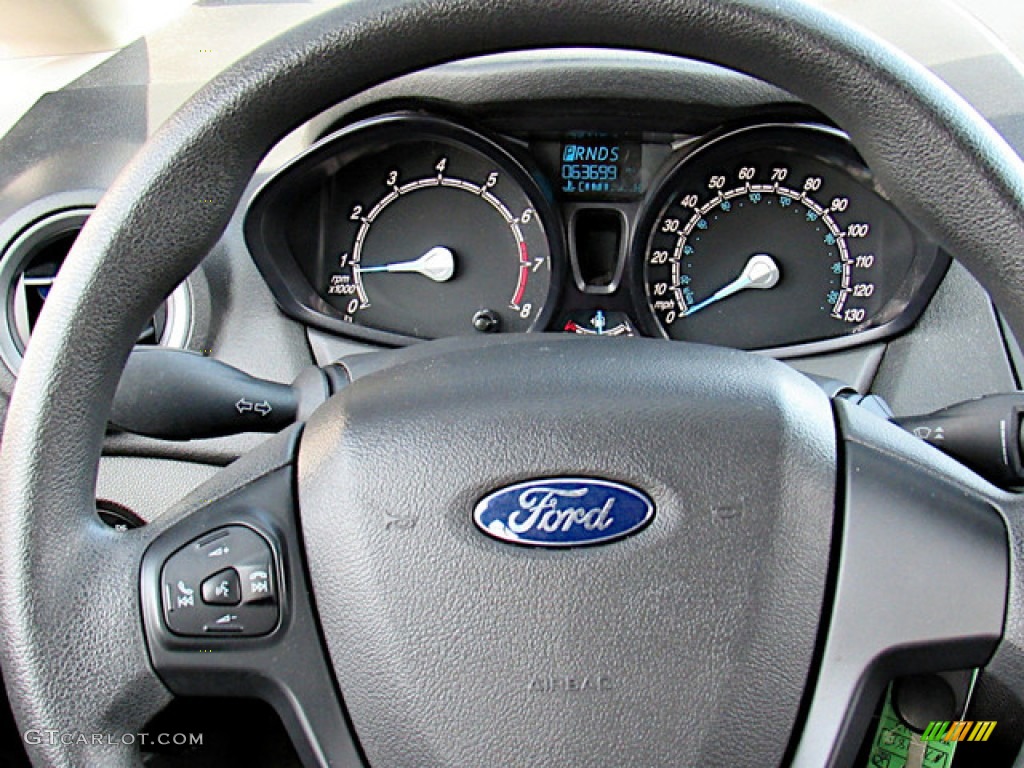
563,512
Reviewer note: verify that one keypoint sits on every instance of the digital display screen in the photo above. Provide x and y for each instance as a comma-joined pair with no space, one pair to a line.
593,166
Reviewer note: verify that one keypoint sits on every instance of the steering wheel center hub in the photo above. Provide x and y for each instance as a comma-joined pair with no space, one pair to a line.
452,646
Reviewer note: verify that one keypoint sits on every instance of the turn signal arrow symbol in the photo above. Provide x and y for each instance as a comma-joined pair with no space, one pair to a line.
263,409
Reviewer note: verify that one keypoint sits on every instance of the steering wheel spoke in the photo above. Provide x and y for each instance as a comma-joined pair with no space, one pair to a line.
227,607
922,571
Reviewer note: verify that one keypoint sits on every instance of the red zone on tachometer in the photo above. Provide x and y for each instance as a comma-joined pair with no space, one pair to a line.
524,275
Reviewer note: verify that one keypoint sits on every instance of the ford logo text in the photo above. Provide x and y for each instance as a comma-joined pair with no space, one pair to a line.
563,512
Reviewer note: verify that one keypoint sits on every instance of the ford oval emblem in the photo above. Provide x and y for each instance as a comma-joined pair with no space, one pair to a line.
563,512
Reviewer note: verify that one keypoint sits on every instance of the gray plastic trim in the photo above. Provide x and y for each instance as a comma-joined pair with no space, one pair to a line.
178,330
856,367
590,75
954,353
149,486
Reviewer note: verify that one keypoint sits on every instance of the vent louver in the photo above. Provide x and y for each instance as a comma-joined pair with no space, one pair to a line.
28,269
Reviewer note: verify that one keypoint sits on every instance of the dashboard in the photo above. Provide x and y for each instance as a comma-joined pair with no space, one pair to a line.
261,300
768,236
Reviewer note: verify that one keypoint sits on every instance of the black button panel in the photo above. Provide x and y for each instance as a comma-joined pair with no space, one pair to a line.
222,583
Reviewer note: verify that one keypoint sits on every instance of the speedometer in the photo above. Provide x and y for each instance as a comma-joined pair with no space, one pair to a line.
771,237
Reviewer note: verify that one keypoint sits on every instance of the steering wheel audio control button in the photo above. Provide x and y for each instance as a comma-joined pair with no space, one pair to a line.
222,588
225,623
257,583
221,583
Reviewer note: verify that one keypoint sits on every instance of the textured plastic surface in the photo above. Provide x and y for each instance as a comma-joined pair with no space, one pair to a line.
148,486
954,352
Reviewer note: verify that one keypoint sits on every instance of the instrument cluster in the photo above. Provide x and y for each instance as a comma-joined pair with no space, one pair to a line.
769,237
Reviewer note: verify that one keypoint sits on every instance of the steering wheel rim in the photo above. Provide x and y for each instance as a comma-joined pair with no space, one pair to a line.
910,128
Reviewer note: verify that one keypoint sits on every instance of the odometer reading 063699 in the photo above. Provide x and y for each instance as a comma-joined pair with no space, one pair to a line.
771,237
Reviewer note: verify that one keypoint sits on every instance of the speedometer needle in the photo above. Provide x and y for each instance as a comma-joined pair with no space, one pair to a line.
438,264
761,272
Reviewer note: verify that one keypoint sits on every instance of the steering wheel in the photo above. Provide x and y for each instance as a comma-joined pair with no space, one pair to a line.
752,622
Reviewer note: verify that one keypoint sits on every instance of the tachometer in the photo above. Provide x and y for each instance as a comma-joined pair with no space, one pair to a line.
772,237
412,225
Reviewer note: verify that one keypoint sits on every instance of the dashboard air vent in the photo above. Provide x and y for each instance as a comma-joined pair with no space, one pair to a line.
28,268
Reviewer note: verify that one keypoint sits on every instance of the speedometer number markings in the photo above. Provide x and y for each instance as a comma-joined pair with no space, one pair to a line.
724,216
686,304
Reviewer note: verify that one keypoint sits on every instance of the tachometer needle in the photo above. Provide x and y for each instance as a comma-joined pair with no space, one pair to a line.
438,264
761,272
